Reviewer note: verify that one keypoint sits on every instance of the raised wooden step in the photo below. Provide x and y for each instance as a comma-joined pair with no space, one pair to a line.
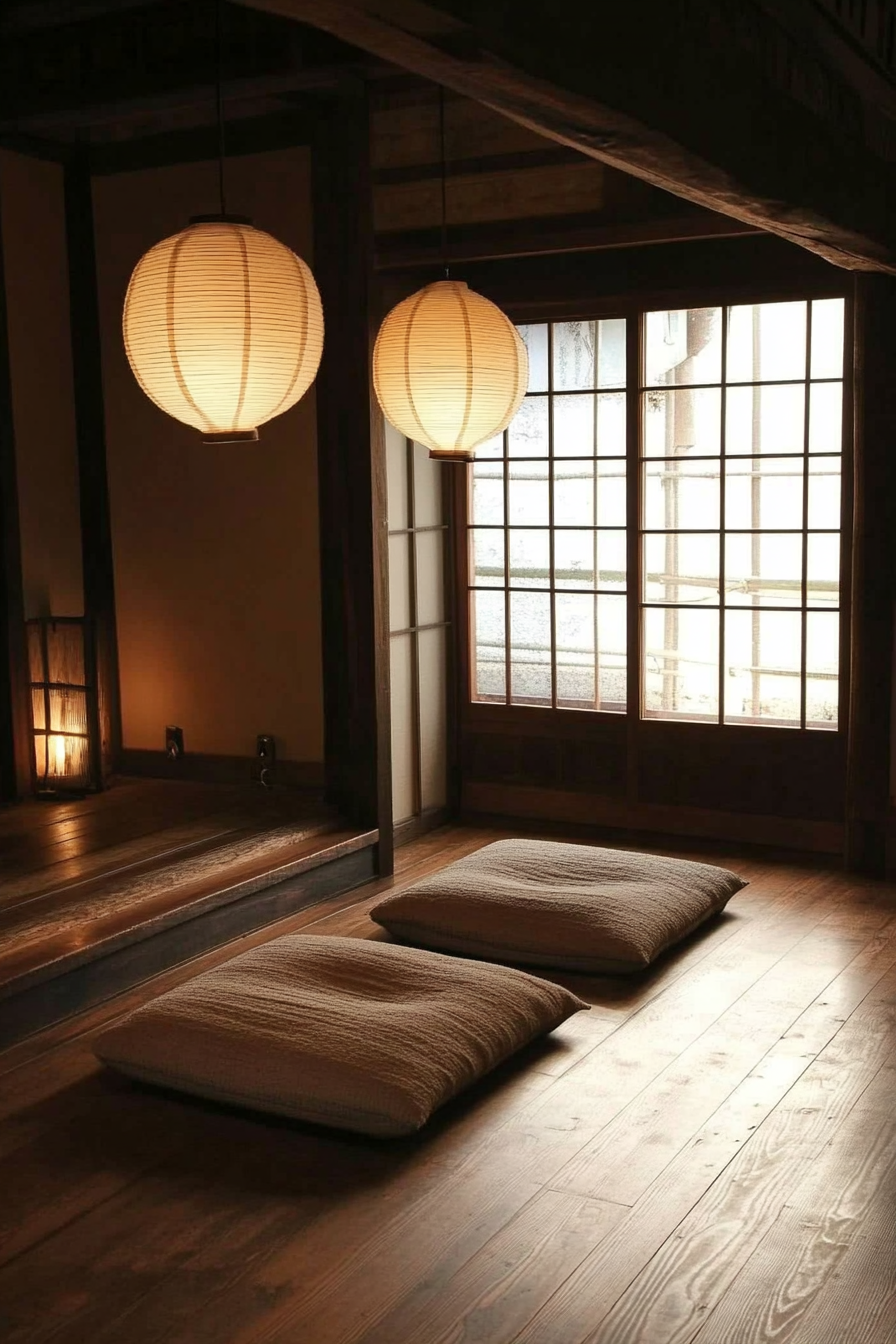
70,940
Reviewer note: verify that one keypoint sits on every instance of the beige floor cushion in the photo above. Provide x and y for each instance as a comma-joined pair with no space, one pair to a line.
547,904
361,1035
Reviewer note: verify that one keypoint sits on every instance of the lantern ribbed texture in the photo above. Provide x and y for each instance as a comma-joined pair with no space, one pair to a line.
449,368
223,326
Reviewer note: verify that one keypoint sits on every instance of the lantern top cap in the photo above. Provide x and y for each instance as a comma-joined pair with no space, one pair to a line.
220,219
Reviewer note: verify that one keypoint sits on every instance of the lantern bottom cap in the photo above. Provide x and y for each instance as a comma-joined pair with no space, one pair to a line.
232,436
446,455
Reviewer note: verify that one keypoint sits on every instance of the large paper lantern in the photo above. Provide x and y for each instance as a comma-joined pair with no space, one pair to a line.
449,369
223,327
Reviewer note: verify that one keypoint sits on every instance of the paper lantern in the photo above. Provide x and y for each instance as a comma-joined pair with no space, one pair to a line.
223,327
449,369
64,709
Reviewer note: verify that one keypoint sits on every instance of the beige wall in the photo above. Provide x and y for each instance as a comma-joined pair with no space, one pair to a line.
217,571
36,278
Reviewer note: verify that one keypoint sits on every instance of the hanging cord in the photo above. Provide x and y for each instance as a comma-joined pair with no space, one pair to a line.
219,100
444,182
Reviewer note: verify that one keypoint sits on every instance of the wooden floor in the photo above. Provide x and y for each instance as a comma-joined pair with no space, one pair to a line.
709,1154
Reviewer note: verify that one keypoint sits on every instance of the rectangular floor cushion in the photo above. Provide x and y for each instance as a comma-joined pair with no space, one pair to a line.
543,903
361,1035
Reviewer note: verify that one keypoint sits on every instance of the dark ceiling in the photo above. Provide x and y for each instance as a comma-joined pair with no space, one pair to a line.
96,73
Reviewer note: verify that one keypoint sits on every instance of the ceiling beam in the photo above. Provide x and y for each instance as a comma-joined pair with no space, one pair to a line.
23,16
673,94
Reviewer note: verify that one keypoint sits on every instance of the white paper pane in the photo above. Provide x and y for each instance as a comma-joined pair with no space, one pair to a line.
530,648
766,341
824,492
822,668
762,667
575,493
488,644
823,569
429,477
430,577
687,422
827,338
404,803
487,557
680,671
764,570
683,346
530,557
826,418
535,339
764,492
575,356
399,582
682,568
396,478
527,494
527,433
488,493
679,493
433,719
768,419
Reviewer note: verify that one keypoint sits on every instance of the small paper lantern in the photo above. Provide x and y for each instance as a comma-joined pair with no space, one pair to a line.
64,711
449,369
223,327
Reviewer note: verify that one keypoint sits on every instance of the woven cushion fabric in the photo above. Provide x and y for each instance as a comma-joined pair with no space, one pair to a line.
361,1035
543,903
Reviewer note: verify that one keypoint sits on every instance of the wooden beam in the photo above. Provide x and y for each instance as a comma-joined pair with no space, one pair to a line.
24,16
541,237
351,471
669,95
15,736
254,135
90,427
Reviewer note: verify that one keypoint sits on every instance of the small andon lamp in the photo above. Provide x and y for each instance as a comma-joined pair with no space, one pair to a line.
64,709
223,325
449,368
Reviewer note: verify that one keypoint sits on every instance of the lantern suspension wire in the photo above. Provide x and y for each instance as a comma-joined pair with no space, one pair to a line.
219,99
443,176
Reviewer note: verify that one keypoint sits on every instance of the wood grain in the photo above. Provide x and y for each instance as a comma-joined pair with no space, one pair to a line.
707,1155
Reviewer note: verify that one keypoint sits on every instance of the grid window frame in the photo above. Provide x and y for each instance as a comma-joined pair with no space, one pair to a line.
553,587
637,461
724,607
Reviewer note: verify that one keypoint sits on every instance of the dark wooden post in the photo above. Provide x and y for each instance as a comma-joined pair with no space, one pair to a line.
352,475
15,744
873,576
90,426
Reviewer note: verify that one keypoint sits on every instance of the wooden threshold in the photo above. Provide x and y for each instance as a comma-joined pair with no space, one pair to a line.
490,802
57,976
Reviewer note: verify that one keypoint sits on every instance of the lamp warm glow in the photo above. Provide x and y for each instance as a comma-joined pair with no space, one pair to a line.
64,708
449,369
223,327
57,755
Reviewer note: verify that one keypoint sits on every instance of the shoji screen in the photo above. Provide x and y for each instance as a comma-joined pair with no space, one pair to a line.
418,540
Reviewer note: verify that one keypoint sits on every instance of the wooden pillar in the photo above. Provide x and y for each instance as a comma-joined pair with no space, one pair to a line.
90,427
352,475
873,576
15,737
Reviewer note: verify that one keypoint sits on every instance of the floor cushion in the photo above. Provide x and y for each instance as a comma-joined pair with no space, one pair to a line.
362,1035
543,903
